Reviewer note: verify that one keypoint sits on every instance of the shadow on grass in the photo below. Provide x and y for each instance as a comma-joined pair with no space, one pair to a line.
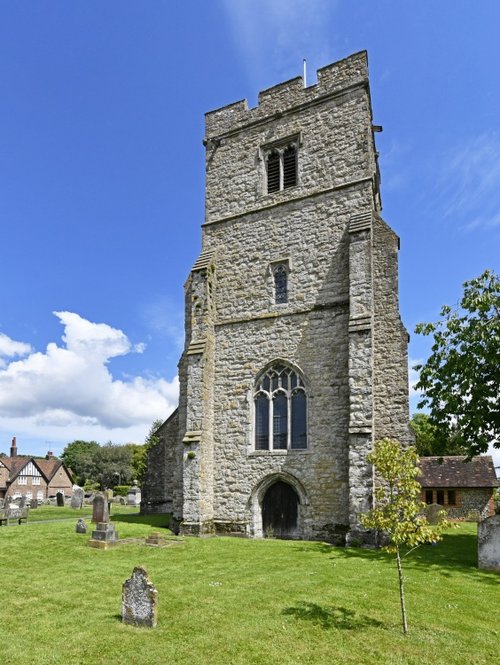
456,554
328,617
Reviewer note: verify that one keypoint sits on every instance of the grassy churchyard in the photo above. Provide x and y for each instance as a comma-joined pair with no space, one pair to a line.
236,601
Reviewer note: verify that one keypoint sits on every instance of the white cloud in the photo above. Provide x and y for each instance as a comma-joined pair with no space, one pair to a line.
275,35
10,348
71,385
469,182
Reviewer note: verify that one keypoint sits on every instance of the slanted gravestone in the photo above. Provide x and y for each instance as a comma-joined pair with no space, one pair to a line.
100,508
60,499
81,526
77,498
488,543
139,600
434,513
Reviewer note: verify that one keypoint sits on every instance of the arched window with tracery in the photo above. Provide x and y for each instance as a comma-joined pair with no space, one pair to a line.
280,405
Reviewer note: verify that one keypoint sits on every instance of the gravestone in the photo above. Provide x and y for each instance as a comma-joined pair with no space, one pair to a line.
154,538
134,496
100,508
60,499
488,543
22,502
34,503
434,513
139,600
81,526
103,536
77,498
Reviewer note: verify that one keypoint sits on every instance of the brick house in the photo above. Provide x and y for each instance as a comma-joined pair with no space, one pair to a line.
458,485
22,475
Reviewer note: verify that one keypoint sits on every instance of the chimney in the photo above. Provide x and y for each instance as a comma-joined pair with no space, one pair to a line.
49,455
13,447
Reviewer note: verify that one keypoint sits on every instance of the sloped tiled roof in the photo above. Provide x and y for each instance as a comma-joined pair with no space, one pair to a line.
454,471
48,467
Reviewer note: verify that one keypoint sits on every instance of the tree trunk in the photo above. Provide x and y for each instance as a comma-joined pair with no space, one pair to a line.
401,592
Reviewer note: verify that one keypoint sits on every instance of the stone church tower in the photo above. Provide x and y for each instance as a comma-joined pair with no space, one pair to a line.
295,358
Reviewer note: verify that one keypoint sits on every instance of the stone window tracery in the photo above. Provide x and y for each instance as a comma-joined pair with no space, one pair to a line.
280,406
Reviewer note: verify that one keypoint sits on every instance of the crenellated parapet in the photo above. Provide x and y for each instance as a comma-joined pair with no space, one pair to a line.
332,79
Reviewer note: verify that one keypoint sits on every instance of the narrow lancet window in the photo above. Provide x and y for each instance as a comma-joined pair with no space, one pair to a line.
280,284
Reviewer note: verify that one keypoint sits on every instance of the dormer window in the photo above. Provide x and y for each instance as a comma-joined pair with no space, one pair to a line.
281,167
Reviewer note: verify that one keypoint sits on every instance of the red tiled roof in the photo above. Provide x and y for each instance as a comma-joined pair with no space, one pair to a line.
454,471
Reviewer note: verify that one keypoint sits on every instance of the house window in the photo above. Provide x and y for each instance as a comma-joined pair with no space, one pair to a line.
281,167
452,498
22,480
280,275
428,497
39,495
440,497
35,480
280,406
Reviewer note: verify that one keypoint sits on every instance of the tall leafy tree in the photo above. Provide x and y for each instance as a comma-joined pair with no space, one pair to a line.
79,456
429,440
397,511
460,381
113,465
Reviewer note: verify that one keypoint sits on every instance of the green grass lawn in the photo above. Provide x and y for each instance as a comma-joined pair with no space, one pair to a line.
239,602
48,512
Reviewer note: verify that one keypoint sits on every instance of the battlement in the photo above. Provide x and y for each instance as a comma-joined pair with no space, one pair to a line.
283,97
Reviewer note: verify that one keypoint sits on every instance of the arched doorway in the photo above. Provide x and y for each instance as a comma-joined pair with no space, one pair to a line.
280,510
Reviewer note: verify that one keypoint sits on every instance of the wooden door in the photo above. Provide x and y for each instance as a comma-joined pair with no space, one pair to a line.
279,511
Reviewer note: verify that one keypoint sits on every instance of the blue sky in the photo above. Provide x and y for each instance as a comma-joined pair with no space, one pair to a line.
102,174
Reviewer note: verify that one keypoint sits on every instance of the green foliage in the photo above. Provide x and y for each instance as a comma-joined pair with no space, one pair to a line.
141,456
79,457
113,465
431,441
139,459
461,379
397,510
121,490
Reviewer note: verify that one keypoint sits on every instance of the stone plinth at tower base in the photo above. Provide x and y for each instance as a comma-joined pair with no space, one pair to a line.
488,543
139,600
104,536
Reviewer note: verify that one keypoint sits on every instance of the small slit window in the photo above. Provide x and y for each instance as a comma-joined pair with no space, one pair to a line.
280,275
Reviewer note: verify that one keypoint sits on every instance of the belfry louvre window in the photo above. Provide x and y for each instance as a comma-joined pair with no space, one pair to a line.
281,167
280,403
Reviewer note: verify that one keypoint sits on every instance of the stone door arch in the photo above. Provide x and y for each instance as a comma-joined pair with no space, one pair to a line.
278,504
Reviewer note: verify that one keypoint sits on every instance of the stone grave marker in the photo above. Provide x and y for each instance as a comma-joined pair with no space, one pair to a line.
81,526
34,503
139,600
77,498
103,536
488,543
100,508
60,499
22,502
134,496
